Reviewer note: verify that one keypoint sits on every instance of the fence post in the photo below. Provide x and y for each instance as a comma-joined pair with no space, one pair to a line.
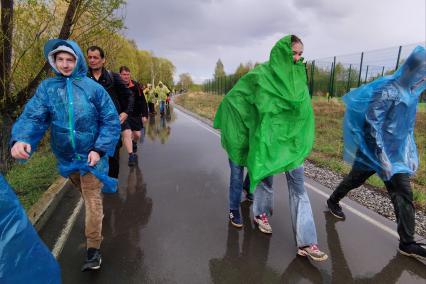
348,86
399,56
334,75
383,70
329,81
366,73
312,78
360,69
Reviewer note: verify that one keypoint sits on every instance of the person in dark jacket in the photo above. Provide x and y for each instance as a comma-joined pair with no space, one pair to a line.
134,123
119,93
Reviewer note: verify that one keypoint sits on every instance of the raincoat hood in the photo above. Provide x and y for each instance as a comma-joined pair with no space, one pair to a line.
413,70
266,119
80,69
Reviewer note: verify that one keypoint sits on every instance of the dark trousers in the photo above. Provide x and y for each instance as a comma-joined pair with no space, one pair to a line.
151,107
400,192
114,162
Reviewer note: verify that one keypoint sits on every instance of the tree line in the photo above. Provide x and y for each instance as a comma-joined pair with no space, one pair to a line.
25,27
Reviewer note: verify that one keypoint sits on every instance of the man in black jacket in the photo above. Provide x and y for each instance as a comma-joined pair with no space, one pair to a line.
120,94
136,119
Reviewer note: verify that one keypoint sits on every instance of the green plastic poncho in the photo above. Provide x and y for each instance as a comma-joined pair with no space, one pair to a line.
162,91
266,119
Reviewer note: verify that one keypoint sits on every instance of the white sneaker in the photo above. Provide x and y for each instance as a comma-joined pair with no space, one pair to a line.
263,223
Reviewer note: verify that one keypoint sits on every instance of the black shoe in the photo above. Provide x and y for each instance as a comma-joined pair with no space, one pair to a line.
416,250
335,209
133,158
249,196
134,146
93,260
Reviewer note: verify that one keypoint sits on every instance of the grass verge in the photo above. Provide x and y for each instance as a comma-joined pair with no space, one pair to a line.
31,179
328,148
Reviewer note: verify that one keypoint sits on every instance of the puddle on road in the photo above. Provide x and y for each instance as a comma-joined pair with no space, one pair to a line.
158,127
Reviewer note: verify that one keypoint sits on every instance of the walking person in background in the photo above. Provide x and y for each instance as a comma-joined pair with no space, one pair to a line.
120,94
161,90
134,123
267,125
150,97
379,139
84,129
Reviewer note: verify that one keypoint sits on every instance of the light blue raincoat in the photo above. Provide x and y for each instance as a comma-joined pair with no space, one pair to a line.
24,258
80,114
379,120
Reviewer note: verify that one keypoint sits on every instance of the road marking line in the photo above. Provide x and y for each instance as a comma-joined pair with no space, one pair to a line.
318,191
356,212
59,245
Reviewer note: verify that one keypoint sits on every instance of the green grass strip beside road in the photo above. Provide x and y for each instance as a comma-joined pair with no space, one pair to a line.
31,179
328,148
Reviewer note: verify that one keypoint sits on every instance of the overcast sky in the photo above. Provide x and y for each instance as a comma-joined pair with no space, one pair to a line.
193,34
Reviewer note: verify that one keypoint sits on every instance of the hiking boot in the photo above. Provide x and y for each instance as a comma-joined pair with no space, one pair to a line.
93,260
416,250
335,209
134,146
313,252
263,224
133,158
235,218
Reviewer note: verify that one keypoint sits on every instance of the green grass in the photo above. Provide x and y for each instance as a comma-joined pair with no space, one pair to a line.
31,179
328,148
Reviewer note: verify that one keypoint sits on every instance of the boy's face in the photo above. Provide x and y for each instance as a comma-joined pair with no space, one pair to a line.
65,63
125,76
297,49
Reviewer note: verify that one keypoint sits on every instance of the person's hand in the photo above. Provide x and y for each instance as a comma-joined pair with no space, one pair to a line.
412,165
21,150
144,119
93,158
123,117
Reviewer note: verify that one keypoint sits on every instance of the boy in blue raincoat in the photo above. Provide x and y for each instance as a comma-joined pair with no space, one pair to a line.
379,138
84,129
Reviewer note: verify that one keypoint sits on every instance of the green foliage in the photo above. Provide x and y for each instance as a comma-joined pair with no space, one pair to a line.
185,81
219,70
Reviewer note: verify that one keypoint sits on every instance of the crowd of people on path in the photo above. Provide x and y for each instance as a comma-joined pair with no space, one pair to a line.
92,112
266,123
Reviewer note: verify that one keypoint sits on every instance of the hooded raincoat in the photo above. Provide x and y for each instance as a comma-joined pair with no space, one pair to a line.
266,120
379,120
162,91
80,114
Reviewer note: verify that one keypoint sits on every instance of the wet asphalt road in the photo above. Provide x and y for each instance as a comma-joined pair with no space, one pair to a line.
168,224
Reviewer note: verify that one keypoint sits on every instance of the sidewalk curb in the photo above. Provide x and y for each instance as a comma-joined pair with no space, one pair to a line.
42,210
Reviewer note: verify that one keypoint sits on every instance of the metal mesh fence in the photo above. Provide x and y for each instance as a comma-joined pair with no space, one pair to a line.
335,76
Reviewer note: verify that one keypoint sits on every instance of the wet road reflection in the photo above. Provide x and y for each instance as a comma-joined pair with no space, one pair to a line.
168,224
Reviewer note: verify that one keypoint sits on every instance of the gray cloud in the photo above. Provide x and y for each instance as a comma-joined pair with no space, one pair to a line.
193,34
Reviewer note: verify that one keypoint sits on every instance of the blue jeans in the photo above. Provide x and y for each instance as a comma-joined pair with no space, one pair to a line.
161,106
300,207
236,185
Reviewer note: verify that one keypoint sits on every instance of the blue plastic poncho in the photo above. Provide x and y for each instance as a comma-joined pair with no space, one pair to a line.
380,116
23,256
81,116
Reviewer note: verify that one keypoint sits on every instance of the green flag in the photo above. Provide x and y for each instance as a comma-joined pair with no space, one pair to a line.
266,119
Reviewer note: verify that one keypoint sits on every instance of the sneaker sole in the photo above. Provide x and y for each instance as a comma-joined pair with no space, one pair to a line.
236,225
335,215
412,255
303,253
94,267
262,229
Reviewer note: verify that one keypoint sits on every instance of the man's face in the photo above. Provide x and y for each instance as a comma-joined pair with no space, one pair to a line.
95,60
65,63
297,49
125,76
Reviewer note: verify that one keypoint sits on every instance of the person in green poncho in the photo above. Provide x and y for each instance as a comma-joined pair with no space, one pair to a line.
267,125
161,90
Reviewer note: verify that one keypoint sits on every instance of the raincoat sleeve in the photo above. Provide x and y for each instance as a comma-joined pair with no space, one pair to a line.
34,121
109,124
24,258
375,118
